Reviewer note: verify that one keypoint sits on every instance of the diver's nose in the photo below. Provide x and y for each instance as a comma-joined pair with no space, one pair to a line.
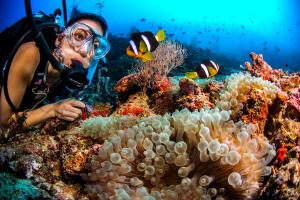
84,49
83,52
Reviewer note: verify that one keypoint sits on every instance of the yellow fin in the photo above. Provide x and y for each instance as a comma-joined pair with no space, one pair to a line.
212,71
147,57
191,75
130,53
143,47
160,35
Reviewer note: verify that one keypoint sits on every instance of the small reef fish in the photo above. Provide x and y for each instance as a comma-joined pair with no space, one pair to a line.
143,43
207,68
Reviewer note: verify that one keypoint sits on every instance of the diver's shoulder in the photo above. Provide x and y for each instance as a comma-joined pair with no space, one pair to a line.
29,48
27,58
29,53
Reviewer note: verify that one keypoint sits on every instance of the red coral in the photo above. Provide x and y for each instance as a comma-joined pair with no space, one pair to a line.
84,115
164,84
130,109
99,109
281,154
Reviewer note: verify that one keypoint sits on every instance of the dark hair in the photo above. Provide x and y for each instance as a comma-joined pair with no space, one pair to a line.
76,15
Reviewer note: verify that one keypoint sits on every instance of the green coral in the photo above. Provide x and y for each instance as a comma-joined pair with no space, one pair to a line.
19,189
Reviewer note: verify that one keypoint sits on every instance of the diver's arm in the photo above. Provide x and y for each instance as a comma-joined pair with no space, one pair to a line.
68,109
20,75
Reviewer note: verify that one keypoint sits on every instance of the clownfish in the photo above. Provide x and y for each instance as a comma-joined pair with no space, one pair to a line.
143,43
207,68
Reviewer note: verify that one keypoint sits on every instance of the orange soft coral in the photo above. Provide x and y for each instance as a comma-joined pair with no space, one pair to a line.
131,109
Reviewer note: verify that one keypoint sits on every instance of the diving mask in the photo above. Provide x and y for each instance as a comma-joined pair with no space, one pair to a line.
82,36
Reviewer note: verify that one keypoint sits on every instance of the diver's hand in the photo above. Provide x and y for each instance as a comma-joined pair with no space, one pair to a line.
68,109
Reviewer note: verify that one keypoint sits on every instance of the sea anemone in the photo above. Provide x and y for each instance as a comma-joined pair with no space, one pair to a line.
238,88
186,155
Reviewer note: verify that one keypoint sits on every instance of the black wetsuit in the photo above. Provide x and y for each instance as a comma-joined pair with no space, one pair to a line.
39,93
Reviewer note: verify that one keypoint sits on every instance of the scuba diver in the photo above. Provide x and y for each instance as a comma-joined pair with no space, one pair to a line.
35,87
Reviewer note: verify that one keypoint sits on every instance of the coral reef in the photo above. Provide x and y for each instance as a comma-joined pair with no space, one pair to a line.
191,96
262,69
218,147
294,99
12,188
136,105
248,97
213,88
209,153
48,161
285,181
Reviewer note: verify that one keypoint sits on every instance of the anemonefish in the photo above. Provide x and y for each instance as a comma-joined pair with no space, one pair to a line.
143,43
207,68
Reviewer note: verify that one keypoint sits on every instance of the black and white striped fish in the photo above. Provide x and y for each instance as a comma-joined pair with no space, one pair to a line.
206,69
143,43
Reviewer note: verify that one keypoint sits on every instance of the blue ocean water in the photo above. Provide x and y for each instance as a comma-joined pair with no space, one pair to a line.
232,28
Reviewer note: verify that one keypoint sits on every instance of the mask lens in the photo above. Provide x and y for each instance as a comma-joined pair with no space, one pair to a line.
80,35
102,48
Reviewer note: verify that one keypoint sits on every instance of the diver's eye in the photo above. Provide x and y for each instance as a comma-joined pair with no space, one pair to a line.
80,35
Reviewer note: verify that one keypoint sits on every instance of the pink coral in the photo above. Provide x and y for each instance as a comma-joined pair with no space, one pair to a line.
189,87
295,99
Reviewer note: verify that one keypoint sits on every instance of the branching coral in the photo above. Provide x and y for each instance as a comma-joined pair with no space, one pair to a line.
166,57
186,155
153,74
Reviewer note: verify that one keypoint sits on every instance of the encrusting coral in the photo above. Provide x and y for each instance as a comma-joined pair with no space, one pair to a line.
203,154
262,69
191,96
136,105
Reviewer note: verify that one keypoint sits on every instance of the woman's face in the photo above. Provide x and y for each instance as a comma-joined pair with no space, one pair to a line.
83,53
